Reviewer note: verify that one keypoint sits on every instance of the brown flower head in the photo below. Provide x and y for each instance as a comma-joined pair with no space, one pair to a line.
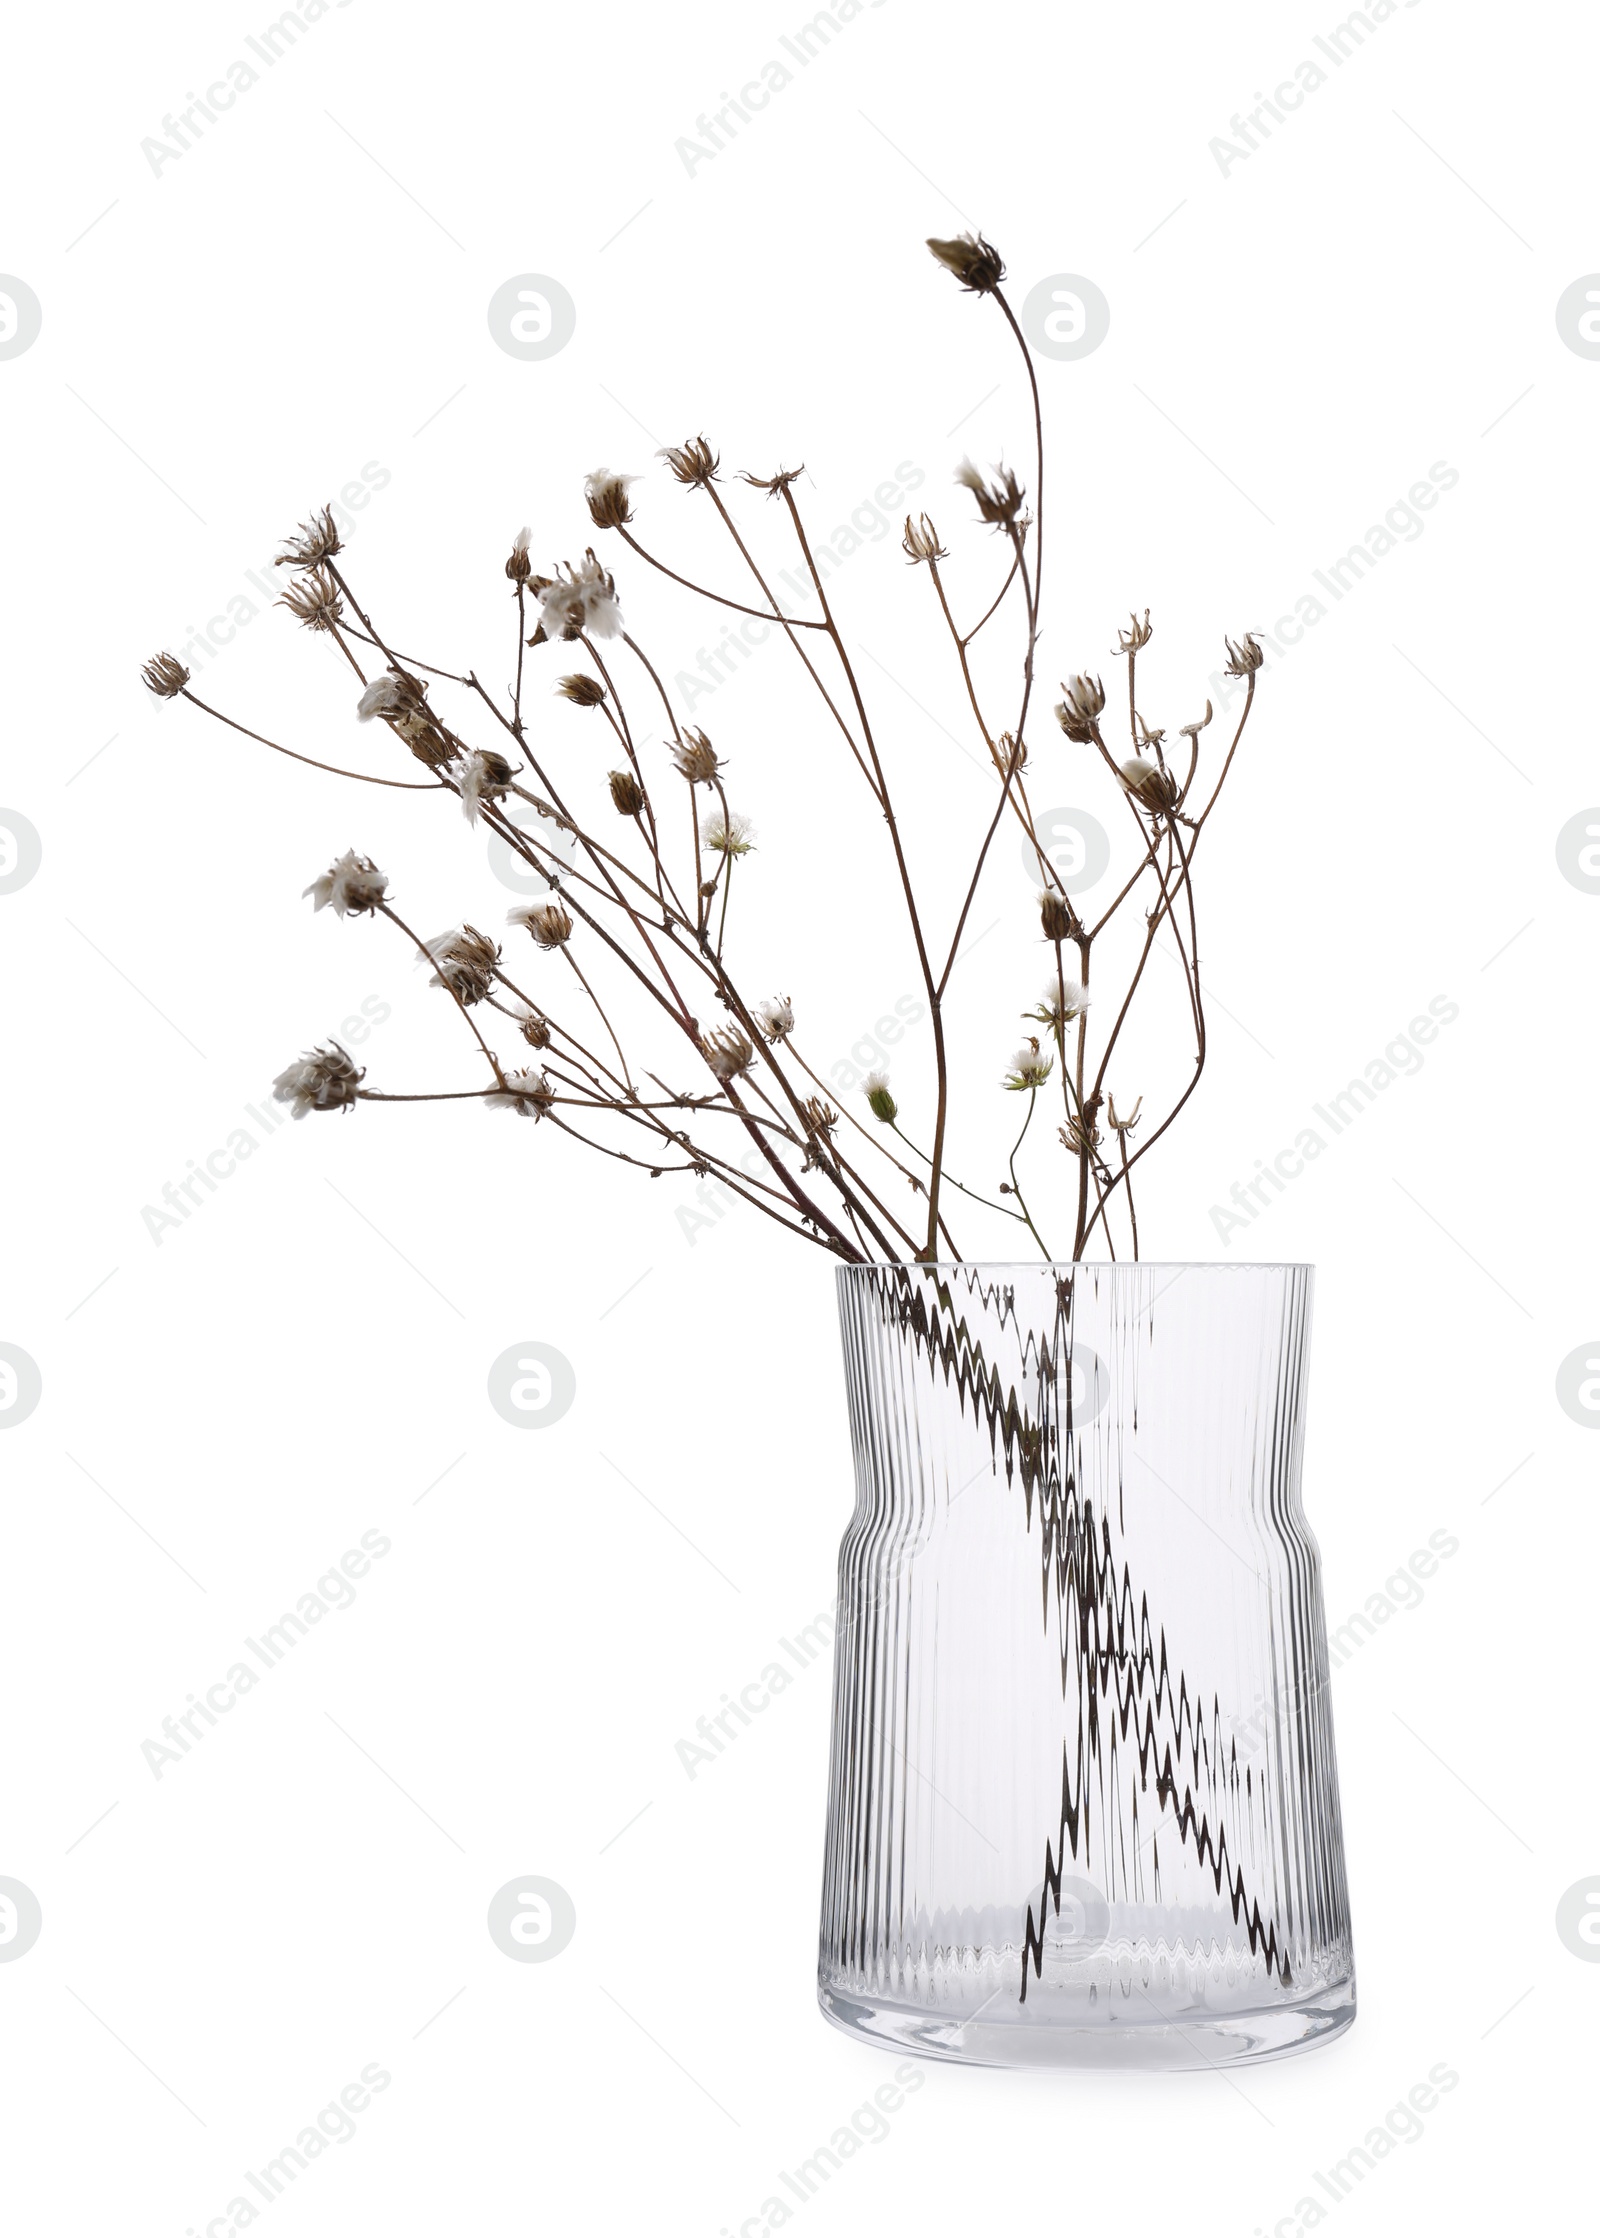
1137,635
774,484
1057,918
921,541
485,776
695,758
322,1080
693,463
1245,659
464,962
727,1051
1151,785
976,263
547,919
519,567
1000,500
1082,701
312,542
607,496
165,676
314,601
583,691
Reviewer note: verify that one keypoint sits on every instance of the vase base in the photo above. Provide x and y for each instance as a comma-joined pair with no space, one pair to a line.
1039,2038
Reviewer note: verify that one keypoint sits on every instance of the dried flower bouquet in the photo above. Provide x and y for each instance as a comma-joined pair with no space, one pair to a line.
640,872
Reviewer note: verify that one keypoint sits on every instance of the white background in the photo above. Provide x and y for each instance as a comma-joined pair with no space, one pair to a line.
230,1403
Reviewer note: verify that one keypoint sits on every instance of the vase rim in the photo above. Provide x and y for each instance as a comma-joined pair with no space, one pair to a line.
1095,1266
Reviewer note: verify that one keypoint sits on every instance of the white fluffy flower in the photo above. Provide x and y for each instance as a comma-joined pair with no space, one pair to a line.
728,835
482,777
528,1093
322,1080
1060,1003
879,1100
385,695
581,601
351,886
1030,1067
775,1017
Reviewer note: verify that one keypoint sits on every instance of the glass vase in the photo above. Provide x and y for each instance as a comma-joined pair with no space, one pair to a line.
1083,1808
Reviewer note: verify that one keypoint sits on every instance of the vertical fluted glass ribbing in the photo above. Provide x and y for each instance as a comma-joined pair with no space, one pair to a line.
1083,1804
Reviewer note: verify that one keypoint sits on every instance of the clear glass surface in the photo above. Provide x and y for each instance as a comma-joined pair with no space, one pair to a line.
1083,1805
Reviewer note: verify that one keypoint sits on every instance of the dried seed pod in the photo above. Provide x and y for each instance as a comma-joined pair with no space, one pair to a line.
627,794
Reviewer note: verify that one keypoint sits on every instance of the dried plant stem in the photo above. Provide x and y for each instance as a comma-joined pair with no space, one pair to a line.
396,784
1016,1186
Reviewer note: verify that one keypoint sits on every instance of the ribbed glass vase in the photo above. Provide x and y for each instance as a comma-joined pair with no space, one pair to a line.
1083,1808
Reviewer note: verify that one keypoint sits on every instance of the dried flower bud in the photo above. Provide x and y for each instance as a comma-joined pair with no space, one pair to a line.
314,601
351,887
728,835
583,691
1080,1139
921,541
727,1051
1124,1126
821,1118
627,794
607,494
519,568
1030,1066
165,676
1083,699
1193,730
1137,635
775,1017
1245,659
546,919
323,1080
529,1094
429,741
1058,920
535,1031
693,757
999,501
1013,752
313,542
879,1101
694,463
973,260
1152,786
